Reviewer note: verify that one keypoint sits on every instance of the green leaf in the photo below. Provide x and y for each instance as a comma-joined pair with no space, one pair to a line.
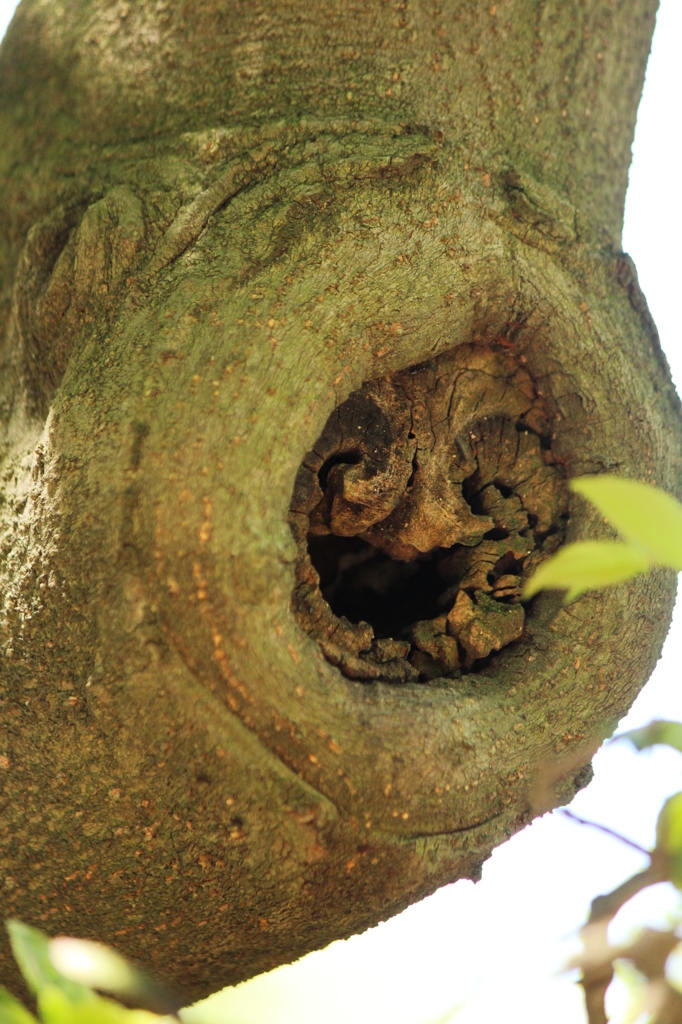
12,1011
56,1008
30,948
645,515
98,966
588,565
92,964
635,988
669,837
655,733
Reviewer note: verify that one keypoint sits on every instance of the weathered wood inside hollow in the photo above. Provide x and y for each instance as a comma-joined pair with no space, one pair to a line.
218,221
425,489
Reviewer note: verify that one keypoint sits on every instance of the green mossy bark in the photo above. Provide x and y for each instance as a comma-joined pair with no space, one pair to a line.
217,221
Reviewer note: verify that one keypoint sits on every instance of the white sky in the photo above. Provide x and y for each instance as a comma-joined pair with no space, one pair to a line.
495,945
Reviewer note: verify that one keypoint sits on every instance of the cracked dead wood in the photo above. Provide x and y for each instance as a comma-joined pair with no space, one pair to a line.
427,491
265,678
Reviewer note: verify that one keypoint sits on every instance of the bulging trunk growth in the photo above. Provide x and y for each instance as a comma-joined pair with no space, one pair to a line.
309,312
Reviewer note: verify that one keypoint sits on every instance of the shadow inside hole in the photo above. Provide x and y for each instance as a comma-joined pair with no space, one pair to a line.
349,458
365,585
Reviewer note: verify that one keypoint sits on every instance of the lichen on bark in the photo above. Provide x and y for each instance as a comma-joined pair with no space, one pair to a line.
221,226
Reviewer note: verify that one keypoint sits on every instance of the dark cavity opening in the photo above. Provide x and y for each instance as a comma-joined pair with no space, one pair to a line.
361,583
472,489
497,533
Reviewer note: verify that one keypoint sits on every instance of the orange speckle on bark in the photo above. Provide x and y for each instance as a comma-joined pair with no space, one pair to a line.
294,656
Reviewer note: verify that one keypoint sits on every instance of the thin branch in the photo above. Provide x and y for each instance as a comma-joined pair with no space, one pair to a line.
605,830
608,905
597,979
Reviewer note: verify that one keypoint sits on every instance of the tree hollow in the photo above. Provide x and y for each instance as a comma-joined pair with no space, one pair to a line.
425,505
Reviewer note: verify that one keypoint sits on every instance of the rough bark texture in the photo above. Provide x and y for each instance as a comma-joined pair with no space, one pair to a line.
219,221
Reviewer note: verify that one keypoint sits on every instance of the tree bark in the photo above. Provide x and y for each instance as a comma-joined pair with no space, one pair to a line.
221,222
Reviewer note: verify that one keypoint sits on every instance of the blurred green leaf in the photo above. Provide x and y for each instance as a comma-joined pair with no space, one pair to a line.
62,972
669,837
92,964
635,986
588,565
673,968
30,948
658,732
12,1011
98,966
645,515
55,1007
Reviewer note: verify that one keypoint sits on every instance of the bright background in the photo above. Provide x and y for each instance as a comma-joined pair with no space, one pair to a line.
495,946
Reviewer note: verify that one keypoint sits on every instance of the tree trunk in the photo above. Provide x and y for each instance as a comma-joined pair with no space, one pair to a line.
311,309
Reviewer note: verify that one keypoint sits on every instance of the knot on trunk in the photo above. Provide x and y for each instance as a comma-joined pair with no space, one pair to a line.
74,264
425,505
